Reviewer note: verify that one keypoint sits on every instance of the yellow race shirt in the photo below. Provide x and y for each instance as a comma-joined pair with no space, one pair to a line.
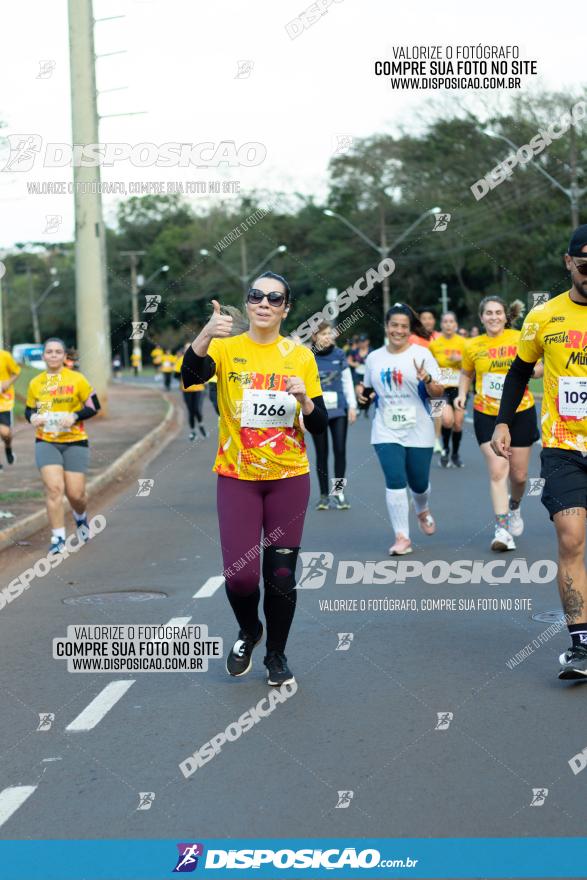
260,437
448,354
167,363
178,364
8,369
63,392
556,331
491,357
156,355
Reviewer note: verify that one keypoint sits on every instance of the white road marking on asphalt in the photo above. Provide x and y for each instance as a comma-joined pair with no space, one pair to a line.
12,798
209,588
178,621
100,705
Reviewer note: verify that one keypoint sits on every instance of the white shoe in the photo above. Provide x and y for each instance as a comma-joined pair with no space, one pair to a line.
502,540
515,523
438,446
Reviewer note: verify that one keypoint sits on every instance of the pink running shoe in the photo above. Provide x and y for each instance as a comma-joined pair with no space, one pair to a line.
402,546
426,522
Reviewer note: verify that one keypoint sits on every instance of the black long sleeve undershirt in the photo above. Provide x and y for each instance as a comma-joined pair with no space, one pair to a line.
515,383
196,370
83,414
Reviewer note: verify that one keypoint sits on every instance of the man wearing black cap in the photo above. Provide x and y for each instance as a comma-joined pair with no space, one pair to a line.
557,332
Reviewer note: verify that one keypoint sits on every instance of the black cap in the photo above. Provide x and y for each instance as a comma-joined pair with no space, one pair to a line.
578,241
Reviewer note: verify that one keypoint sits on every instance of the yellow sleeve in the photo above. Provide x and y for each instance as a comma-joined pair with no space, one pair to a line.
312,378
215,351
13,366
31,400
530,345
84,389
468,362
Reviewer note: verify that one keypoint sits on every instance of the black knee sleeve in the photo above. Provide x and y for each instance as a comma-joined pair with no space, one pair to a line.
279,569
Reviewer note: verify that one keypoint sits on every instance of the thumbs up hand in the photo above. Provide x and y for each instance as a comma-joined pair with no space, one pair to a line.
219,326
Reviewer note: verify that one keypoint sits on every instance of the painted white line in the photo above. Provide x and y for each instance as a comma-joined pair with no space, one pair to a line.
209,588
178,621
100,705
12,798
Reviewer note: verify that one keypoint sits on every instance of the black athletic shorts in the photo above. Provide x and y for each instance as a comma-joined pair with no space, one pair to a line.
451,394
564,472
524,429
6,418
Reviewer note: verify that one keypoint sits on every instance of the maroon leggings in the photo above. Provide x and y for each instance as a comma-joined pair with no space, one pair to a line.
278,508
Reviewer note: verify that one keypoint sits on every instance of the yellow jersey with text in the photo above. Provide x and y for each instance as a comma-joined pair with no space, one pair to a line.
64,392
178,364
260,437
491,357
448,354
556,331
8,369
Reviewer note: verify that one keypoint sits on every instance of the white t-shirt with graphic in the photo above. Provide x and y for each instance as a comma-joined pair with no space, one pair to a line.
401,414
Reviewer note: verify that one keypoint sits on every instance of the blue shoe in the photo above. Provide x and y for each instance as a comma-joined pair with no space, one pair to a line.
83,530
57,546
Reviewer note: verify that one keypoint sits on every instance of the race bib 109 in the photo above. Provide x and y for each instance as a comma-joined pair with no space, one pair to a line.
572,396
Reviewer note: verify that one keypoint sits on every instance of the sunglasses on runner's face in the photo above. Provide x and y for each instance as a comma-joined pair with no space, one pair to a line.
581,266
274,298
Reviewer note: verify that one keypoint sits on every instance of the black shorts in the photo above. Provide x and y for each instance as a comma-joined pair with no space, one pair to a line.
524,429
564,472
451,394
6,418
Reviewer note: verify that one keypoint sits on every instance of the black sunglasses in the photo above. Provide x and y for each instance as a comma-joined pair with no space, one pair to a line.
580,267
273,298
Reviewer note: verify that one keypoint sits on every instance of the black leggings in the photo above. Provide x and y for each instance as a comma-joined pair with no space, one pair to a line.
193,402
338,429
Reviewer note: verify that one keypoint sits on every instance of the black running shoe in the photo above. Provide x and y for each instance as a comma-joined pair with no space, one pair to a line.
203,431
444,459
239,660
456,460
10,456
278,672
574,663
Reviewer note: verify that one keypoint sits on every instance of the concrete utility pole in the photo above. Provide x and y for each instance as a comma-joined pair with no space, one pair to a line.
93,326
134,292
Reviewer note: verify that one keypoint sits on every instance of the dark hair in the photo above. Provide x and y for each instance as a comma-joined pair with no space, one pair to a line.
282,280
512,311
449,312
416,325
55,339
427,311
324,325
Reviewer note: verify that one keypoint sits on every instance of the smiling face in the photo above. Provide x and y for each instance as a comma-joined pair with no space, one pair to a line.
493,318
54,356
398,330
263,316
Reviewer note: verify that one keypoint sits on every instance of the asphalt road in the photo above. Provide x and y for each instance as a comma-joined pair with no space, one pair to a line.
364,719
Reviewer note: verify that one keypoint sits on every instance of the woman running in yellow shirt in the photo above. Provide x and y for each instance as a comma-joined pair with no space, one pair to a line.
264,384
448,349
489,357
59,401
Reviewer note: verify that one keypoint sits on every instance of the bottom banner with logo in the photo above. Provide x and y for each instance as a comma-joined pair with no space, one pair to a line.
307,858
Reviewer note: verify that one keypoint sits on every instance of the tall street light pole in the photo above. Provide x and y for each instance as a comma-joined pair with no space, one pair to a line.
383,249
244,276
574,192
93,331
134,293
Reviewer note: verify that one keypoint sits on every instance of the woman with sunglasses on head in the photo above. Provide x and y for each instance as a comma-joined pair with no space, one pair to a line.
264,385
402,378
59,401
488,357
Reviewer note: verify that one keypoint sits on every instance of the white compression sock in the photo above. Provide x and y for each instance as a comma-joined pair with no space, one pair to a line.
398,508
421,500
58,533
